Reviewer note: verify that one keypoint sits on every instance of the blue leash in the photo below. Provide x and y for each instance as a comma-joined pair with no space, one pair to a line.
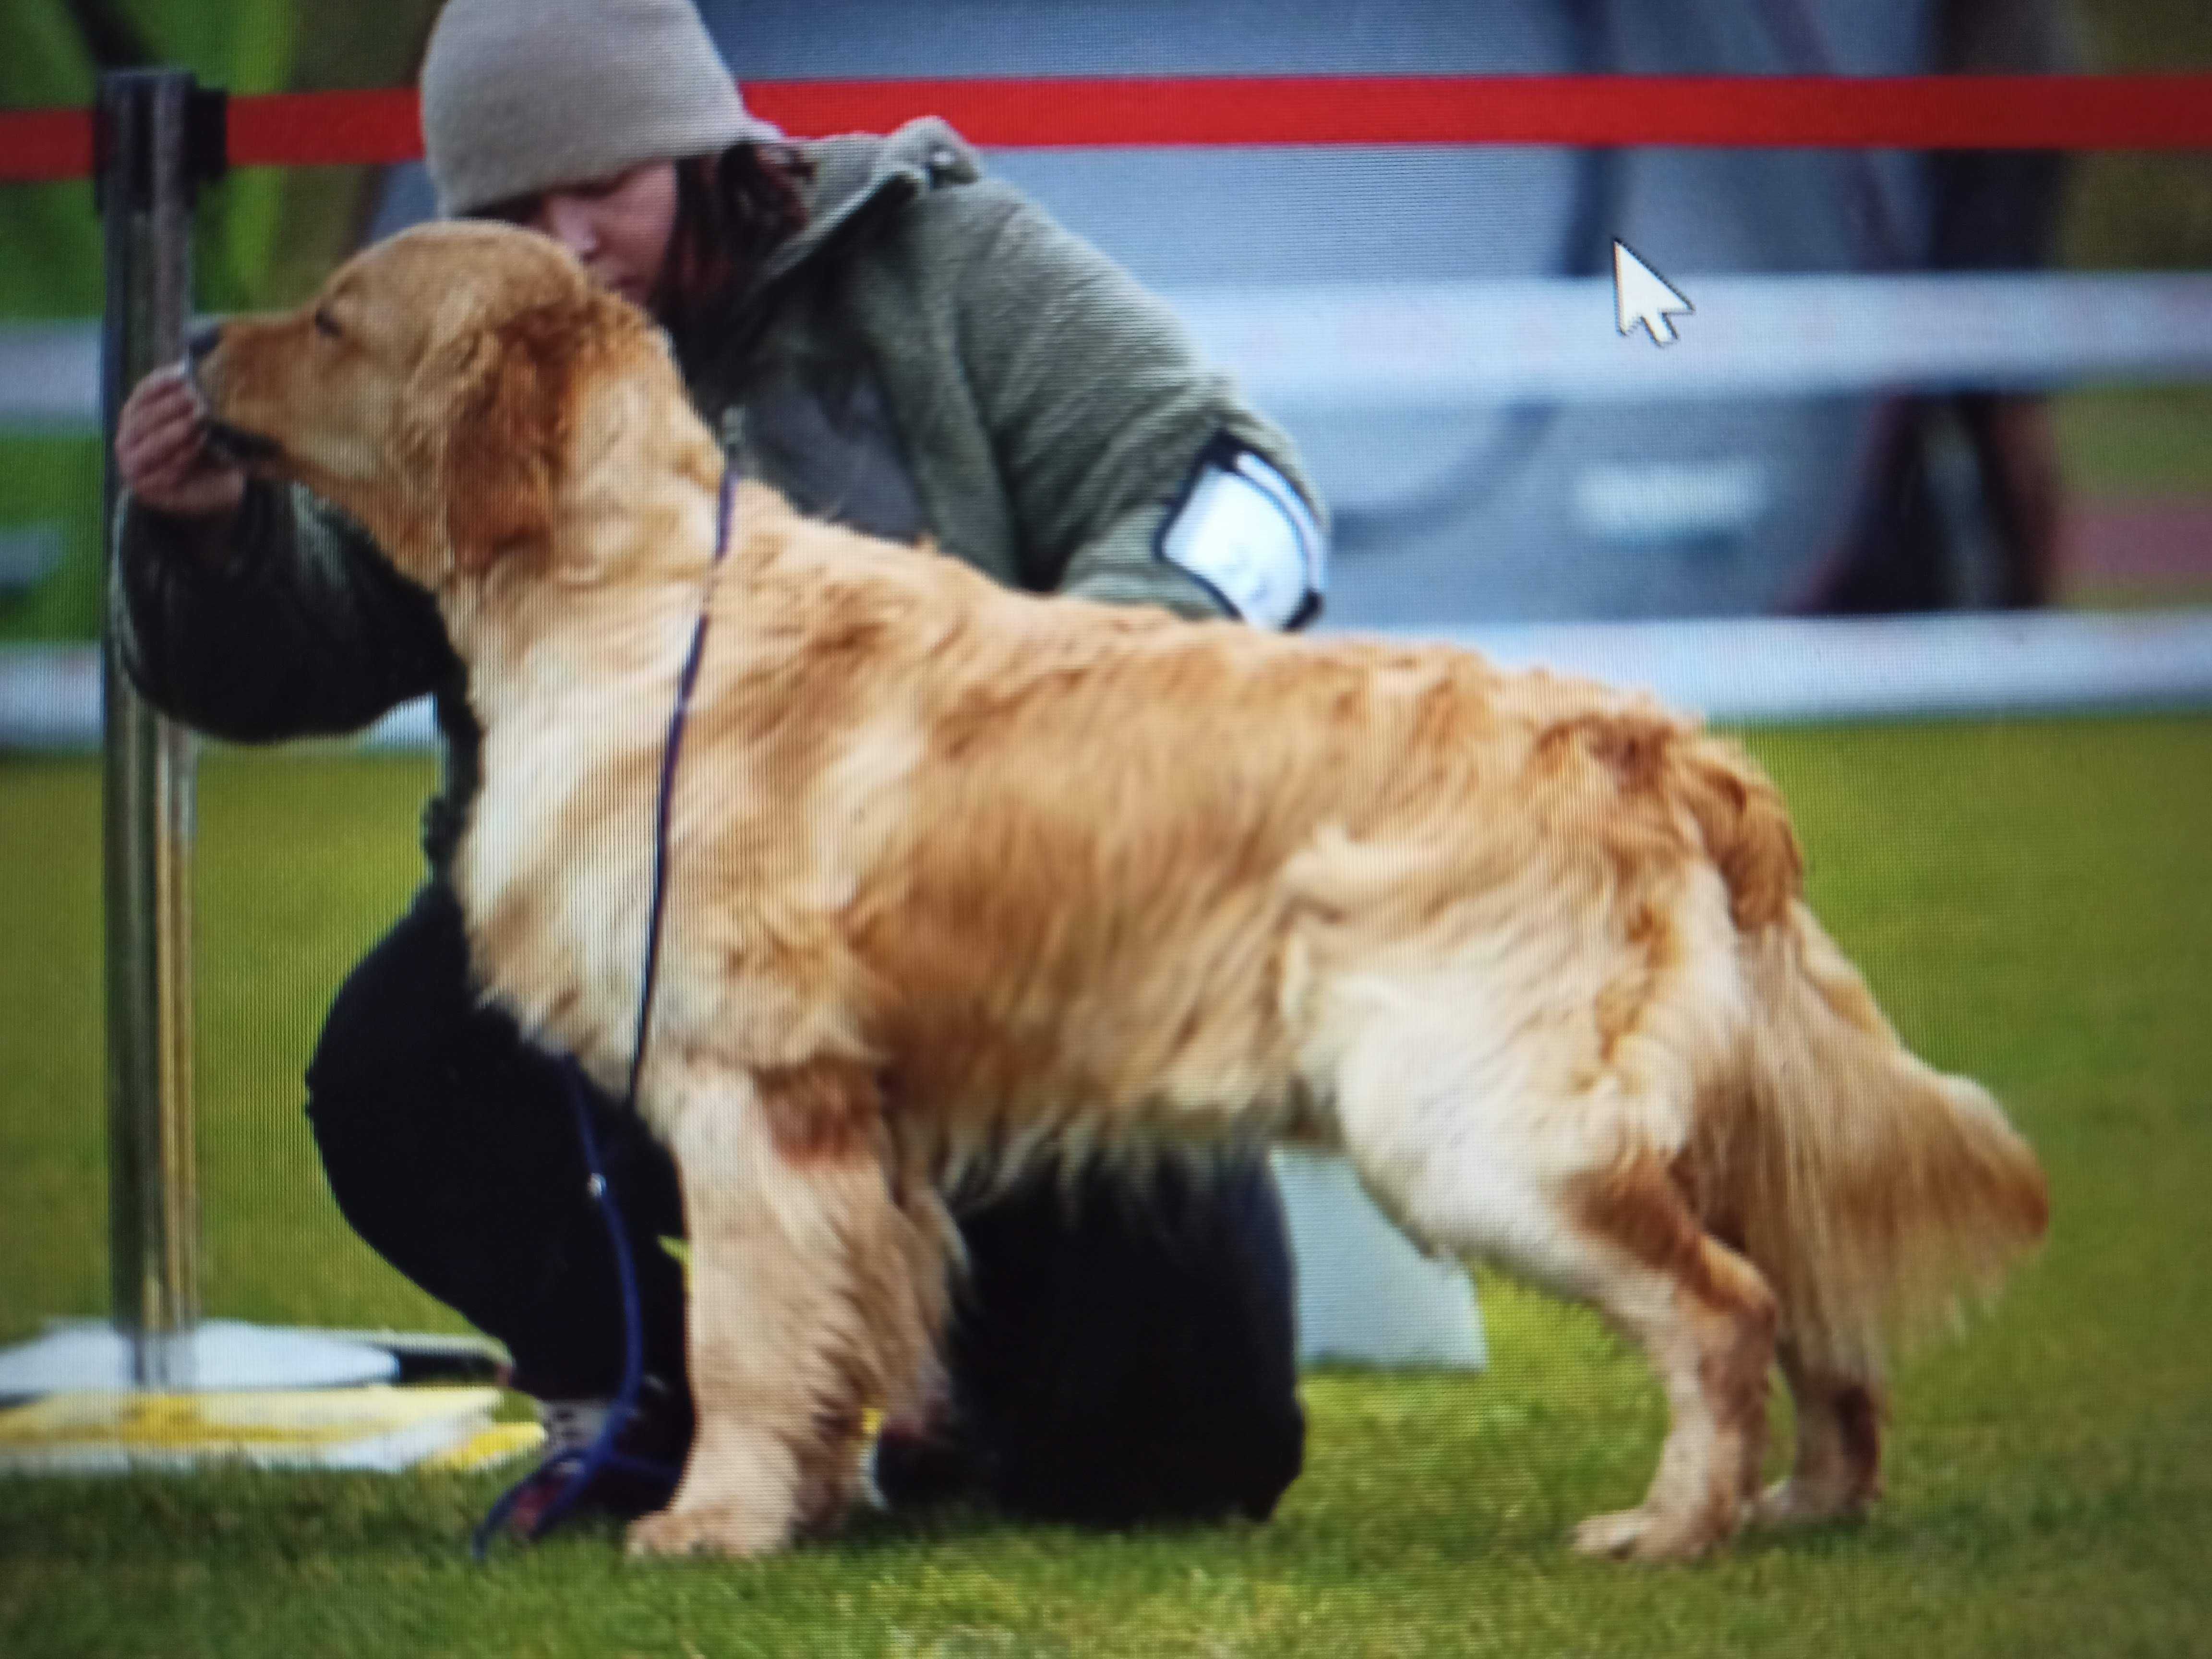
601,1455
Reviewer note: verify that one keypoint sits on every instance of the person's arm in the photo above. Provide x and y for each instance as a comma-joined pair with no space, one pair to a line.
1105,424
289,626
253,611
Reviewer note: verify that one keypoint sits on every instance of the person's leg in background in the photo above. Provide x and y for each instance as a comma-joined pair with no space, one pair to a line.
451,1146
1124,1349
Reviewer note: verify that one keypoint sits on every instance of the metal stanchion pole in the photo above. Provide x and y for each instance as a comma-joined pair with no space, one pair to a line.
159,138
155,150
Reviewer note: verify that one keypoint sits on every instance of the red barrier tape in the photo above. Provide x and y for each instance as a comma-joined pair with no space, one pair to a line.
44,143
2133,111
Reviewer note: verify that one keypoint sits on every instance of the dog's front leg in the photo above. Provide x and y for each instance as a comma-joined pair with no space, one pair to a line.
804,1303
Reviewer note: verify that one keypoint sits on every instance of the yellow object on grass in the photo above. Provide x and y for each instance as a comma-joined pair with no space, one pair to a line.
377,1427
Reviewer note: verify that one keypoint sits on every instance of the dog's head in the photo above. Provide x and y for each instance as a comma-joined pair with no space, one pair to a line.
430,389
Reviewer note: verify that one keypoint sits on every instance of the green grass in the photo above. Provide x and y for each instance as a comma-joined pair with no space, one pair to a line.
53,479
2034,902
2132,441
300,865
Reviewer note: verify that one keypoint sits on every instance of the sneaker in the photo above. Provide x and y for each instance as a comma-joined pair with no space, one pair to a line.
651,1450
912,1467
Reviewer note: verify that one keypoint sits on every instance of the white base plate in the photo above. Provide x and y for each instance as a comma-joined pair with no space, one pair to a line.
219,1356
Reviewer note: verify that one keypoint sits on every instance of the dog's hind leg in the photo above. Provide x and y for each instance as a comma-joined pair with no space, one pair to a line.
1836,1472
1706,1319
1516,1187
809,1300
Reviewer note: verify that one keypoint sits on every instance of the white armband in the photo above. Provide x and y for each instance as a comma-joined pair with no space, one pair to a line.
1244,532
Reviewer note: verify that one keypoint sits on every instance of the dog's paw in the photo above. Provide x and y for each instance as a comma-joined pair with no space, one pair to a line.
1644,1534
1795,1503
727,1530
1611,1535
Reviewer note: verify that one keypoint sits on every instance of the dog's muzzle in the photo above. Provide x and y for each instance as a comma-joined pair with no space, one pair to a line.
230,442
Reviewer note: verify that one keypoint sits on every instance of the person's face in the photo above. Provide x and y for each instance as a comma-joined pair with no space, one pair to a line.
618,226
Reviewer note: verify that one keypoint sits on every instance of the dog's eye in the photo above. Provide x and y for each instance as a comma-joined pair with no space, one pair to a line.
326,326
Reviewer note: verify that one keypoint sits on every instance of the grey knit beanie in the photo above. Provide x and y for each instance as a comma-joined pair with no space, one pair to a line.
521,95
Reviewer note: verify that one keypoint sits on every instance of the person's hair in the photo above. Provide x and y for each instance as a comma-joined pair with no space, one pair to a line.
733,211
733,208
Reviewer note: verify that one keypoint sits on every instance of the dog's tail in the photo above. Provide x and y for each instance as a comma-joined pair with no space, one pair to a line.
1874,1192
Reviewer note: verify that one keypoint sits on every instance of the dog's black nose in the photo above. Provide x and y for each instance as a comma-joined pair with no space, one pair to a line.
204,339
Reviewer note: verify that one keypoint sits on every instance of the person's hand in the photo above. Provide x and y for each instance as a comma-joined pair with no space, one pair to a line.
162,450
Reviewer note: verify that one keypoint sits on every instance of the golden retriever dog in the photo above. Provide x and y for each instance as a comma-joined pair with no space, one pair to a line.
960,875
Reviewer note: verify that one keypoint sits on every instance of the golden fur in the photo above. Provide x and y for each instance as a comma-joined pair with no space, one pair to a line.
958,874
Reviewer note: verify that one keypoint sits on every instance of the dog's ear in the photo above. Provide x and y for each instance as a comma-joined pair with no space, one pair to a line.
504,448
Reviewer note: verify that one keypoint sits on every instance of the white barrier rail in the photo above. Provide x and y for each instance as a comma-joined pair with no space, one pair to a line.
50,375
1779,671
1742,671
1345,347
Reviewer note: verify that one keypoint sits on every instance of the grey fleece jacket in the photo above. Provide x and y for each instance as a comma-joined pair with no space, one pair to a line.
931,354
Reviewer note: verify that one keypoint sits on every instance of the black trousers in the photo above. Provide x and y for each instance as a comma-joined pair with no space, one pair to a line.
1124,1354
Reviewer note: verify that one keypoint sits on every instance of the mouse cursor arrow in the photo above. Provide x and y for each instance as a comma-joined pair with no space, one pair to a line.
1641,294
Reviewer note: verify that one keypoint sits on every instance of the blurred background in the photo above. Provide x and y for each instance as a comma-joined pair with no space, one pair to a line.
1534,496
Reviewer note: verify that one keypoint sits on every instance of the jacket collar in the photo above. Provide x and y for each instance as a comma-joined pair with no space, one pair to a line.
861,175
858,180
